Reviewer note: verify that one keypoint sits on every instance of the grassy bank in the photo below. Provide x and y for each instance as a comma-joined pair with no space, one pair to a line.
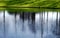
25,5
31,3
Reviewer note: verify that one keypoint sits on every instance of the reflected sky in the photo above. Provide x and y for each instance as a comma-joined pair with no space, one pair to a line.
39,25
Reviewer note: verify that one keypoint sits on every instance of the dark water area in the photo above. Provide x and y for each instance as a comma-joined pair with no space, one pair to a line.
30,25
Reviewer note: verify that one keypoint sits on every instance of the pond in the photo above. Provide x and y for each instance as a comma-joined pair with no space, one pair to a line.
29,24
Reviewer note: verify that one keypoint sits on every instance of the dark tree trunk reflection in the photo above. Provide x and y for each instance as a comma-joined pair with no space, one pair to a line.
33,22
4,24
44,27
29,16
15,25
58,25
57,30
22,17
47,22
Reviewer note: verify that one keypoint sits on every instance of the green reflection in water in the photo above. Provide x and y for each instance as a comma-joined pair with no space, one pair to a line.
28,9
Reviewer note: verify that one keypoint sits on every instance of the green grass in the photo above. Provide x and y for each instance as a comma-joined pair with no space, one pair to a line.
9,4
31,3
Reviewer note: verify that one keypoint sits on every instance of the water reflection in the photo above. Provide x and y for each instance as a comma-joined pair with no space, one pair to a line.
29,25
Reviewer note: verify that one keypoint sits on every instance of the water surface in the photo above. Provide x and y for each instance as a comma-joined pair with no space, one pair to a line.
29,25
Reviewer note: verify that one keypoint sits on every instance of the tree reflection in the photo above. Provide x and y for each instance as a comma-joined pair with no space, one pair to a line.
33,22
22,17
57,30
29,16
15,24
4,24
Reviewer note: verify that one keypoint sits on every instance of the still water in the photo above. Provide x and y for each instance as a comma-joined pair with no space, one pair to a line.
29,25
